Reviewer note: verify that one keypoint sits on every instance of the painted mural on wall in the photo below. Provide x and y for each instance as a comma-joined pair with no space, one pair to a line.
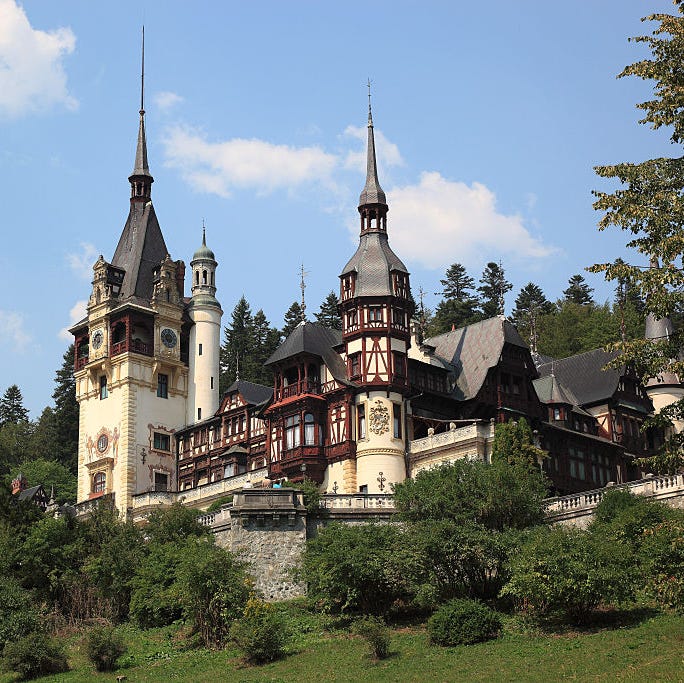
105,444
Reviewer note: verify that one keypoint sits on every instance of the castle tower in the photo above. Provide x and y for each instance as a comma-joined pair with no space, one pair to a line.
205,336
666,388
130,363
376,307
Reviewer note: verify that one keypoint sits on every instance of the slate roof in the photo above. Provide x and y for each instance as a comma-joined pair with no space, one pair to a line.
140,250
317,340
660,328
254,394
550,391
584,375
372,192
373,262
473,349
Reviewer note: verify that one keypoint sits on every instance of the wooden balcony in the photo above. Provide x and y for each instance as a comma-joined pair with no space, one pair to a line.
134,345
305,386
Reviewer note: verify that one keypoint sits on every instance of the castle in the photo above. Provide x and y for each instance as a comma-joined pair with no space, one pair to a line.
353,411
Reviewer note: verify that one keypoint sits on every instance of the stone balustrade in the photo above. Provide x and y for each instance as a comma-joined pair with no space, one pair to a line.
345,501
455,435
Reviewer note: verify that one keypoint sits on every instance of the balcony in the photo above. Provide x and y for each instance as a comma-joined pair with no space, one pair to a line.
305,386
134,345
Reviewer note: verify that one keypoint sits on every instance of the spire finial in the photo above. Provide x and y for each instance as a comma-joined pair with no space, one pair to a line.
142,75
370,112
204,234
303,287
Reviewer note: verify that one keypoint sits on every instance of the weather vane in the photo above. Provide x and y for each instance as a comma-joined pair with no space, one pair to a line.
303,287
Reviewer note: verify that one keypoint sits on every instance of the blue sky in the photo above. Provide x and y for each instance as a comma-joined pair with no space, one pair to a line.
489,118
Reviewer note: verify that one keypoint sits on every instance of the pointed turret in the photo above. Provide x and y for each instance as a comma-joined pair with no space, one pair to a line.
372,192
141,179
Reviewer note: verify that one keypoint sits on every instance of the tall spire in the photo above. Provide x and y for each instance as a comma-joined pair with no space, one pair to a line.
372,192
141,171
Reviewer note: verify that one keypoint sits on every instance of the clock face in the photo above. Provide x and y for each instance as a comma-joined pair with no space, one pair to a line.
98,338
168,338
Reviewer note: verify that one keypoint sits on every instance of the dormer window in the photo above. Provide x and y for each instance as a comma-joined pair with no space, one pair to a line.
375,314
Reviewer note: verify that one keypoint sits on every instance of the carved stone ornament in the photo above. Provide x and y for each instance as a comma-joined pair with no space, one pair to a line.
379,418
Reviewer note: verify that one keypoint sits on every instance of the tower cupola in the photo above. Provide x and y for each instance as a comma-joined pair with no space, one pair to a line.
203,266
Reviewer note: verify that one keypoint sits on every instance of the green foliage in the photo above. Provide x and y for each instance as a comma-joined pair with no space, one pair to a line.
312,494
213,588
293,316
495,496
492,290
174,523
662,557
218,504
14,438
328,314
346,569
104,646
459,305
444,559
568,572
578,291
12,409
34,655
375,632
514,444
155,598
65,414
19,614
260,633
463,622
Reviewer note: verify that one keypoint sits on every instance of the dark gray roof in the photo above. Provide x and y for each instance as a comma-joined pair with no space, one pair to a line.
372,192
657,329
584,375
373,262
141,167
472,350
315,339
254,394
140,250
550,391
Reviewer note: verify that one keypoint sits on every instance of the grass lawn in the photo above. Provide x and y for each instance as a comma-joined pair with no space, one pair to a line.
642,648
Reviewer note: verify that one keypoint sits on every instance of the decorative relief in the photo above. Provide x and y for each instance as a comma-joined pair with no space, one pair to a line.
379,418
104,445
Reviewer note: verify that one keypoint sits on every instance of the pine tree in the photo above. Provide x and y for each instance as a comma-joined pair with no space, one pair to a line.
237,340
328,314
492,289
266,341
578,291
459,306
648,206
65,414
293,317
12,409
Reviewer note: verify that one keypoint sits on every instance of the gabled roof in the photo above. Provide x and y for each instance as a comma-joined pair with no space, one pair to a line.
473,349
314,339
550,390
584,375
254,394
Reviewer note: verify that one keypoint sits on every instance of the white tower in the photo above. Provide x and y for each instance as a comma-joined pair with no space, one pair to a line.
205,336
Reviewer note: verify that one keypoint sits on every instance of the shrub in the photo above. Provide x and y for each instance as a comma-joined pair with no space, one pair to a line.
662,553
260,633
35,655
569,572
463,622
347,569
218,504
213,588
19,614
377,635
103,647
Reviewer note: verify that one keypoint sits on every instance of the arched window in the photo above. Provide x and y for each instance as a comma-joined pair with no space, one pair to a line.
309,430
197,277
99,482
204,277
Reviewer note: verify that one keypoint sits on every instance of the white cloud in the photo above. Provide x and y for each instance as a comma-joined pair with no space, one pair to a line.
32,76
387,152
82,262
219,167
437,222
12,330
165,100
78,311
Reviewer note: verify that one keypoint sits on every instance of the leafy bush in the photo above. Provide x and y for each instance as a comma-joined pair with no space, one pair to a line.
213,588
260,633
376,634
19,614
463,622
568,572
103,647
34,655
174,524
662,555
218,504
347,570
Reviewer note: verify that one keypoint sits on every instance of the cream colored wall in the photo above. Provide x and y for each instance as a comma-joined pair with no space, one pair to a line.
205,331
665,396
379,451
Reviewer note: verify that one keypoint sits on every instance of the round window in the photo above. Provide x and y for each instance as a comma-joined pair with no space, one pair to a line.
102,443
